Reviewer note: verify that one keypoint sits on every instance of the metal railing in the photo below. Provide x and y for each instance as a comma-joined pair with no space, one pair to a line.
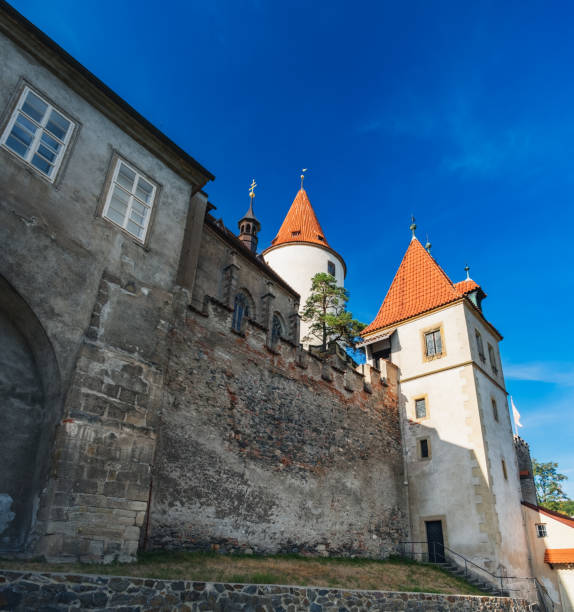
436,552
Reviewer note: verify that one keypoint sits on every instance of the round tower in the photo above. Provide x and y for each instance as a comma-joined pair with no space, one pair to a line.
300,250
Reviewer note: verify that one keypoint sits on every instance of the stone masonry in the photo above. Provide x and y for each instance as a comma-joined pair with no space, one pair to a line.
67,592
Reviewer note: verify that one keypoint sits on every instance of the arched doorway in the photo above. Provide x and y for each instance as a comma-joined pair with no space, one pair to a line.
29,410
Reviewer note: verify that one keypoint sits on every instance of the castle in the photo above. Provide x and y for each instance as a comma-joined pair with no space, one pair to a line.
155,390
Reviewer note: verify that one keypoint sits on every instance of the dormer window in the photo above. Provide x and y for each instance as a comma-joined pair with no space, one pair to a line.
320,238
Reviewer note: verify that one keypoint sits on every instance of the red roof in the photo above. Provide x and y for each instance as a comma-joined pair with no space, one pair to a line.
466,286
559,555
300,224
562,518
420,285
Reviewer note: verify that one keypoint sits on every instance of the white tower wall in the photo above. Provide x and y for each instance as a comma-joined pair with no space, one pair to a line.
297,263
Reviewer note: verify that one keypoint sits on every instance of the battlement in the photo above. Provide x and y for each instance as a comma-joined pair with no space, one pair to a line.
285,355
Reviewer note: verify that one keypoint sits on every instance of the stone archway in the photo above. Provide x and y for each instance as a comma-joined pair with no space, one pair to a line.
29,411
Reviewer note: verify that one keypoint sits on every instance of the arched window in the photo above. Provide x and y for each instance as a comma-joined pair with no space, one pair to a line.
276,329
240,310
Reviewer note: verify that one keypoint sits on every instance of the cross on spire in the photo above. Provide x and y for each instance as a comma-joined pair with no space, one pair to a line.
252,189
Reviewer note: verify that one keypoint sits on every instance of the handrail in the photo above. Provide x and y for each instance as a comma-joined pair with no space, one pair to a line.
541,592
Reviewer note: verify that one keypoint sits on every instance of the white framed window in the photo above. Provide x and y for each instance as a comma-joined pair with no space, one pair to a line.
541,530
38,133
129,200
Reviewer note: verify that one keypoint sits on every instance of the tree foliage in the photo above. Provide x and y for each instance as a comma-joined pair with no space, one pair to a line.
326,311
548,486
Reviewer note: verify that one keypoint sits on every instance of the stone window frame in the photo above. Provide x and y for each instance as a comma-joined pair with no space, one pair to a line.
494,405
427,330
10,117
414,407
245,316
419,449
479,345
107,191
492,359
541,530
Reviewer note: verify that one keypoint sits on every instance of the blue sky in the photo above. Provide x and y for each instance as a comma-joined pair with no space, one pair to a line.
461,113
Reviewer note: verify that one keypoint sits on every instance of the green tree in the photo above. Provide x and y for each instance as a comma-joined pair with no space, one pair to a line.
548,485
326,312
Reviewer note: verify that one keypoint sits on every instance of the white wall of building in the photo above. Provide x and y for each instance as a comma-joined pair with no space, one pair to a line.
297,263
462,483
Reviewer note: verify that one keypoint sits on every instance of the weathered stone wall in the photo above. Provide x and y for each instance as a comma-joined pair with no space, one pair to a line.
273,450
527,485
64,592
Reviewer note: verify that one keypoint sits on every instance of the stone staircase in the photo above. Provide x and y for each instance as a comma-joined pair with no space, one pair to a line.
473,578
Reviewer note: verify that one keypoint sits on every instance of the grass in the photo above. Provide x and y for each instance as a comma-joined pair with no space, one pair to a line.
394,574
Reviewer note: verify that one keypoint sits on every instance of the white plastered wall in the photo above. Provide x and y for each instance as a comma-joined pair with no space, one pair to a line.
298,263
462,483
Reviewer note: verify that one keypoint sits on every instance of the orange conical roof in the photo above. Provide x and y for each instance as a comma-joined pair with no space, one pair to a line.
420,284
300,224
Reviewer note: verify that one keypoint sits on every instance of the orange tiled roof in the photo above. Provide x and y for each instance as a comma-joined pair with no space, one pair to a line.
466,286
300,224
559,555
420,284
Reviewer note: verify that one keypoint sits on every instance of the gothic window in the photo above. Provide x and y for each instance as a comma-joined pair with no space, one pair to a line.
433,343
479,345
240,310
331,268
38,133
492,359
276,329
420,408
129,200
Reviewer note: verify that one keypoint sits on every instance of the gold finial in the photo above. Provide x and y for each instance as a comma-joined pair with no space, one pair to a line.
303,176
252,189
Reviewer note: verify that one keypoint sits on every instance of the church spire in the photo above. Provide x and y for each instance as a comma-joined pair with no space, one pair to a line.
249,226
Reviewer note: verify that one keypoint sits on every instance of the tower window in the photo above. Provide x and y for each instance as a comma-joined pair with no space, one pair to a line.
541,530
331,268
38,133
433,343
424,449
479,345
504,472
240,310
296,233
492,359
495,410
420,408
320,238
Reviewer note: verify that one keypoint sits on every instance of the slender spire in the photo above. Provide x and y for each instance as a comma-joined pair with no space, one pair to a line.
467,270
428,245
413,226
303,176
249,226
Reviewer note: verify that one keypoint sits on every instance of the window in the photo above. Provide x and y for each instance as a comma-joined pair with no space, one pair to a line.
320,238
276,329
541,530
424,449
494,410
240,310
479,345
38,133
296,233
492,359
331,268
420,408
505,474
433,343
130,200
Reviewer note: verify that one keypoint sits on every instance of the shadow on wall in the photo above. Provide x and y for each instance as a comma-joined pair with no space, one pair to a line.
30,407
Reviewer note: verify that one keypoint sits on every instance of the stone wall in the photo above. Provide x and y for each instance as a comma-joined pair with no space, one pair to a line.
526,473
273,449
64,592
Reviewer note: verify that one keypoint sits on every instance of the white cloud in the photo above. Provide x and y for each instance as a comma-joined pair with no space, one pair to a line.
542,371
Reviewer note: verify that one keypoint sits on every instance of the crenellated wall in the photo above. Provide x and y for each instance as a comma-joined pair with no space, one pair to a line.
271,449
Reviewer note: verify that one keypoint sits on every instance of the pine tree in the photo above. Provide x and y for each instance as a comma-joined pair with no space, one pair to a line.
326,311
